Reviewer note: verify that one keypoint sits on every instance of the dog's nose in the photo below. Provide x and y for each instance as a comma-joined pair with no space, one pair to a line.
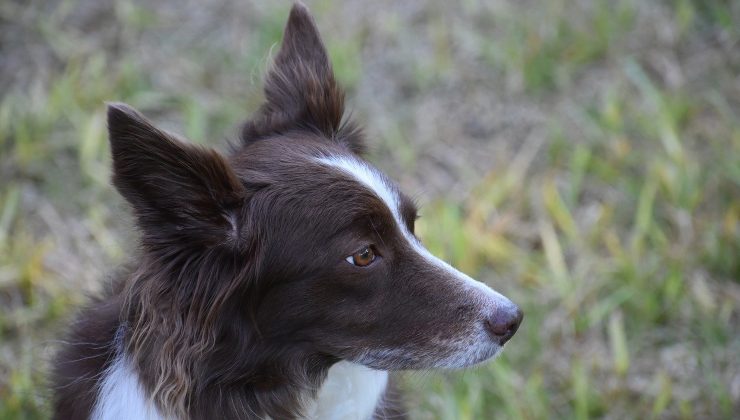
504,322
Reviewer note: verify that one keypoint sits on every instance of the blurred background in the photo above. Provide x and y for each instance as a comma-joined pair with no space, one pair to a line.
583,157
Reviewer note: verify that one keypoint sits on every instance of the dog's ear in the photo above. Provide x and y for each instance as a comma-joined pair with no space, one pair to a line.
300,89
181,193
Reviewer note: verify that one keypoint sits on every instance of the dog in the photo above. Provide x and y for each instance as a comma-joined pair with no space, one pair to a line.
283,280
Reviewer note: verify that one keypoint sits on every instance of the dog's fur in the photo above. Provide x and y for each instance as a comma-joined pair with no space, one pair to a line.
245,301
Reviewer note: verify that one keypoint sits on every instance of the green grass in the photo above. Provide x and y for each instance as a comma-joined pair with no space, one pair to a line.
616,228
626,261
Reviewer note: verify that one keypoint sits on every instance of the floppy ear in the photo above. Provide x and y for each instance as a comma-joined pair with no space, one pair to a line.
181,193
300,89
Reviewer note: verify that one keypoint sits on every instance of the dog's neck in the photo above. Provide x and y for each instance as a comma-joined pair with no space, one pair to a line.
349,392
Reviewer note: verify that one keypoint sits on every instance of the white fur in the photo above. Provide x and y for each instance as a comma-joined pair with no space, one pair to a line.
476,346
350,392
373,179
121,395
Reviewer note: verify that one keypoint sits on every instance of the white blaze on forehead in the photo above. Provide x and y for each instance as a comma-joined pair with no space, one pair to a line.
382,187
371,178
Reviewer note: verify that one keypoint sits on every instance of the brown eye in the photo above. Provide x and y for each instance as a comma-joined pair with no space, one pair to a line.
362,258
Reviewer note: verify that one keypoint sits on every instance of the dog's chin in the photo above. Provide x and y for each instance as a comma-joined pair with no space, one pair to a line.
436,358
475,355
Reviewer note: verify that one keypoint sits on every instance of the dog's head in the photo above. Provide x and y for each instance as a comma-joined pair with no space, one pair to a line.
295,236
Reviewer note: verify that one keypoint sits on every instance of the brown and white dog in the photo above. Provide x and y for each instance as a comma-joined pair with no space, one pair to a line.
281,281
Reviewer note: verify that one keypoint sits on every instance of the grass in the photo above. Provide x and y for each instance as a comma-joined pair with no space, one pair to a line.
610,210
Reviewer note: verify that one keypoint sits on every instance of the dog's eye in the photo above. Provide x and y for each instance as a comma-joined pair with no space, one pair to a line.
363,257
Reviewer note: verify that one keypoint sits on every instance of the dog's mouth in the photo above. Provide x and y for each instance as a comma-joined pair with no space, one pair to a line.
405,359
454,337
460,353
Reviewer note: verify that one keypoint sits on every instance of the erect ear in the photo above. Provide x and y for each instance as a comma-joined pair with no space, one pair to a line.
181,193
300,89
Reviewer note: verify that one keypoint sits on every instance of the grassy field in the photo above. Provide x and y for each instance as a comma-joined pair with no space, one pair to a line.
583,157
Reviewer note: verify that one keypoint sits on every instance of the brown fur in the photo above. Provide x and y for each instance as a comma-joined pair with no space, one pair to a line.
185,198
241,300
300,90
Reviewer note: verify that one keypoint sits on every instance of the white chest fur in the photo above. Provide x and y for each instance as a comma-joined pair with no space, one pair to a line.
350,392
121,396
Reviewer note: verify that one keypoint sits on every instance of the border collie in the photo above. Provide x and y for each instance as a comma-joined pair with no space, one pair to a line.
281,281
